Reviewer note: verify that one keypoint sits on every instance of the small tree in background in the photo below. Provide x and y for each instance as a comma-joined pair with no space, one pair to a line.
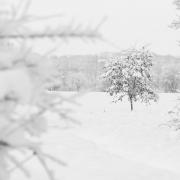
129,75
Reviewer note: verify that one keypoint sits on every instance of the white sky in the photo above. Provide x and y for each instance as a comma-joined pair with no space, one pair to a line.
130,22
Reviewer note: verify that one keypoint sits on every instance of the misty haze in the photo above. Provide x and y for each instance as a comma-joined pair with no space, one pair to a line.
89,90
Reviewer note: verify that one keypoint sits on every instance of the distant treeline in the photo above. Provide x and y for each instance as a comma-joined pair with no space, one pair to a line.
83,72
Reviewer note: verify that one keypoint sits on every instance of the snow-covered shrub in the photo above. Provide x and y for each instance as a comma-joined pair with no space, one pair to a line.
129,75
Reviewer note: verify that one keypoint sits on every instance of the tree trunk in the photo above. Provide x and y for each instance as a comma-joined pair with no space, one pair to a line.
131,101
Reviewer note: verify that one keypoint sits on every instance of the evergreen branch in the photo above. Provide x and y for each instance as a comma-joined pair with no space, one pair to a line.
91,35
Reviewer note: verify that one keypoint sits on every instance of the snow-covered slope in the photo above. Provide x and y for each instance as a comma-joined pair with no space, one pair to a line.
112,143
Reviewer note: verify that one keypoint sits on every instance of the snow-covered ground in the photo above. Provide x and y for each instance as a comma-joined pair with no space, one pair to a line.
106,141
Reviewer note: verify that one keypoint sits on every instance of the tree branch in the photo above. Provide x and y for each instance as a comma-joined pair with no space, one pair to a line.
91,35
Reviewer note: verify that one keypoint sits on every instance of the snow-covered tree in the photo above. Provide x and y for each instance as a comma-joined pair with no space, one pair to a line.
174,113
176,22
24,101
129,75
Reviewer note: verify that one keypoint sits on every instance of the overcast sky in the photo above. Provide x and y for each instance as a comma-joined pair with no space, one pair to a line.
130,23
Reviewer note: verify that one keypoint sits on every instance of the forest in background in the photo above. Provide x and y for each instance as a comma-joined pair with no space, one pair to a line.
83,72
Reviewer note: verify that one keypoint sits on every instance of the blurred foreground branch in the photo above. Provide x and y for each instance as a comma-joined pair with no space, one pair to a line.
64,34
